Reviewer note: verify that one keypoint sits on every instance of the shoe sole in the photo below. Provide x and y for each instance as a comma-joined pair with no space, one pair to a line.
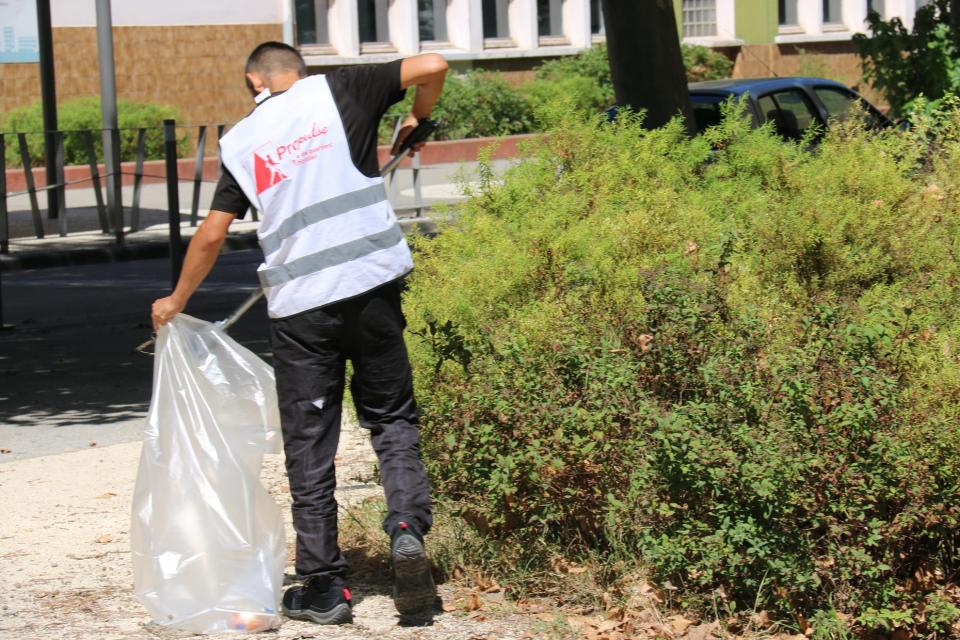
340,614
413,588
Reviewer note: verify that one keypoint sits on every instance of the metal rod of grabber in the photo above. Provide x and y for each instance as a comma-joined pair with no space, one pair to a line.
419,134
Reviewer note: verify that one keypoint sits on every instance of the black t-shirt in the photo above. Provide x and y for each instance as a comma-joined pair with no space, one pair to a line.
362,95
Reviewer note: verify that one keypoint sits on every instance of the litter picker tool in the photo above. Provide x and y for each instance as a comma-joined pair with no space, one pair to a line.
419,134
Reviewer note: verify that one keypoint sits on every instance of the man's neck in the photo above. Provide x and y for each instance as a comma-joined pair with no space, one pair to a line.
282,82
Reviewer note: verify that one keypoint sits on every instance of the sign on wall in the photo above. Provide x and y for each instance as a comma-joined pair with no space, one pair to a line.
18,31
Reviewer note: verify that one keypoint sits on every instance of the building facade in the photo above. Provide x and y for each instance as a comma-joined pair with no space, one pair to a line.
190,53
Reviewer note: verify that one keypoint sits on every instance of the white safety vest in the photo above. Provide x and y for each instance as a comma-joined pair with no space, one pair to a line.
327,232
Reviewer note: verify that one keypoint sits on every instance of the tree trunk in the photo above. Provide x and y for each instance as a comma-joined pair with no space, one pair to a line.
955,21
646,65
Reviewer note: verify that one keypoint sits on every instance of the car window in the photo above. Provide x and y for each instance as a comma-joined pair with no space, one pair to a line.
706,110
790,111
839,102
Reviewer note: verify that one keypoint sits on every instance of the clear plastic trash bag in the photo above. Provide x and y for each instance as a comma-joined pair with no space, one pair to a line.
206,537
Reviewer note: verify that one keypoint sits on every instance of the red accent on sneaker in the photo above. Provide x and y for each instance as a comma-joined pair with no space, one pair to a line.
403,525
346,594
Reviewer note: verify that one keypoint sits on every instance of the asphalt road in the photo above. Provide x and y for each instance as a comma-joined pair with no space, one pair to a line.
69,375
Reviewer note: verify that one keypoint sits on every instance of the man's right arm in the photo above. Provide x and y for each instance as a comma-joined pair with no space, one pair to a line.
427,73
201,255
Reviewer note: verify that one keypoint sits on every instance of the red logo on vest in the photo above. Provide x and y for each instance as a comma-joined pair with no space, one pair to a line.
266,171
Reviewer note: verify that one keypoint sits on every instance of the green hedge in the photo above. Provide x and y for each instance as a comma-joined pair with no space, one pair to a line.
725,362
473,105
84,113
478,104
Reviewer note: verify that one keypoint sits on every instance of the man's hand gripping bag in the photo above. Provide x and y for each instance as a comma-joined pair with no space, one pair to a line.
207,539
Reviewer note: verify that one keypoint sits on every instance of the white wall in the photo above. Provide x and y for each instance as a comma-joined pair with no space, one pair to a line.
82,13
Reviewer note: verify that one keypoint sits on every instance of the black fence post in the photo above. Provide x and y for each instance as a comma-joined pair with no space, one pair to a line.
115,186
137,180
31,189
4,219
173,199
4,214
95,179
59,192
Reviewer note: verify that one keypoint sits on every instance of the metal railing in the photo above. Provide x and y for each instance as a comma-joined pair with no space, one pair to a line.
113,222
110,222
126,218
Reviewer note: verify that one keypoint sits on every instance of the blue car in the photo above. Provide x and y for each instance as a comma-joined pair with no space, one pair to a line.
792,104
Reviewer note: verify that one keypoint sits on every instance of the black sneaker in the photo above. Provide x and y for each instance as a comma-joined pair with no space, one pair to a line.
413,588
318,600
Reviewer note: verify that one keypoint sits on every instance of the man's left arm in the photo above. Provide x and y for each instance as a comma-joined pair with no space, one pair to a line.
201,255
425,72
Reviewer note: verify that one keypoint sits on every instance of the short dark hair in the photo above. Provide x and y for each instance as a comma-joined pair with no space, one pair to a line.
270,58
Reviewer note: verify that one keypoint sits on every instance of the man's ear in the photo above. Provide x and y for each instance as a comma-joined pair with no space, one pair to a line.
255,83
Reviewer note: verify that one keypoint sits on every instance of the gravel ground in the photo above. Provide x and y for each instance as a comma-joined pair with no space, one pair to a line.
65,568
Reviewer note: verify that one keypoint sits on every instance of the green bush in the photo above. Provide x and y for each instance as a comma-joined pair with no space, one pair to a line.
478,104
725,359
703,63
585,79
80,114
472,105
905,65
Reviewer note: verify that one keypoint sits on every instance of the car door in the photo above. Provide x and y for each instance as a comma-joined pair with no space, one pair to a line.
791,111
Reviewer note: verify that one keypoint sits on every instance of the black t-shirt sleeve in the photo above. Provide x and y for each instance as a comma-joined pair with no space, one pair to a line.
363,94
229,197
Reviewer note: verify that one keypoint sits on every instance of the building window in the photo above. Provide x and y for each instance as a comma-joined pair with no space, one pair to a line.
432,16
374,25
496,24
596,19
788,13
699,18
550,17
878,6
311,19
832,12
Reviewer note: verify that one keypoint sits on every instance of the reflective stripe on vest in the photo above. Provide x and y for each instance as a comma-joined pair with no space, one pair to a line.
323,210
340,254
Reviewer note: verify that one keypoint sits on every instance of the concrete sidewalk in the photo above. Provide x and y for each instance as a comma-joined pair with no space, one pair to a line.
85,242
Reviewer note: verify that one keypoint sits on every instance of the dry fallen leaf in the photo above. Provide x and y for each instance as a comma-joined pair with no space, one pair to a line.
473,602
93,444
104,539
761,619
706,631
609,625
645,341
679,624
447,607
108,494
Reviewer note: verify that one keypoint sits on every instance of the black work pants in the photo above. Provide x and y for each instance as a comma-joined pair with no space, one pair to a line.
310,351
